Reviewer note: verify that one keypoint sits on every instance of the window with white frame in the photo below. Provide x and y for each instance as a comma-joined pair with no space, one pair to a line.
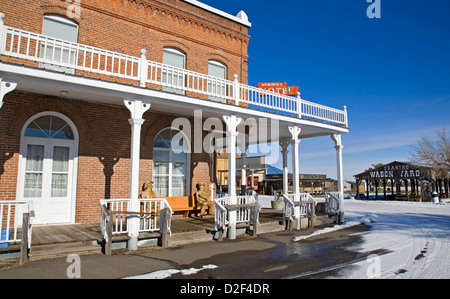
172,73
48,167
170,164
57,55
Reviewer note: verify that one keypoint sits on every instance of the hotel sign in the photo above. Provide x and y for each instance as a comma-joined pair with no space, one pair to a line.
279,87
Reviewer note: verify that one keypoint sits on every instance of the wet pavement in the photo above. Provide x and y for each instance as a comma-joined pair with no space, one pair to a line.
269,256
322,256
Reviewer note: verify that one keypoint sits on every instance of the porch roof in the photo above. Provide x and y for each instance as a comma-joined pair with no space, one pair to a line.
41,81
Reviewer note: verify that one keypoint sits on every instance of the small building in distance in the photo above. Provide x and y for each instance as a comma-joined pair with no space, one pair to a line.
404,181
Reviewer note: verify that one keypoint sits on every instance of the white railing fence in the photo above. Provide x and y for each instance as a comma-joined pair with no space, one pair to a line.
293,209
247,210
149,215
11,217
332,202
68,56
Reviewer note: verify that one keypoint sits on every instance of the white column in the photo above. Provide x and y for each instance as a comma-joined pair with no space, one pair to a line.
243,149
2,28
284,151
232,122
137,108
295,131
340,173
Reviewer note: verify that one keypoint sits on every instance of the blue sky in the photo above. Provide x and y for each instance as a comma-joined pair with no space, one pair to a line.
392,73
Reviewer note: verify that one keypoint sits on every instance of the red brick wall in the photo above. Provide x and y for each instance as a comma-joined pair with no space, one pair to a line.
104,148
127,26
123,26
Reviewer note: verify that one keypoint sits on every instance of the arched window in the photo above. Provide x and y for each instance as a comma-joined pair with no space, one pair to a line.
49,126
48,167
170,163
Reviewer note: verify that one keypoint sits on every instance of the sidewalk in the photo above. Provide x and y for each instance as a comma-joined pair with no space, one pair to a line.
188,256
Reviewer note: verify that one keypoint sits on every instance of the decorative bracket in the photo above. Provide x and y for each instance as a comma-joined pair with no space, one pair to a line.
6,86
295,131
137,107
337,141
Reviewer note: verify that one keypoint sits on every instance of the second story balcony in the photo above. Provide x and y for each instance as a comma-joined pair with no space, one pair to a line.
41,52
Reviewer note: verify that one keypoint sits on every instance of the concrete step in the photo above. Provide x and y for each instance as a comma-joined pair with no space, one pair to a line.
40,252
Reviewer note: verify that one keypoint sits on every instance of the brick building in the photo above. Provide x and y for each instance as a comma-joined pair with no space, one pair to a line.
72,72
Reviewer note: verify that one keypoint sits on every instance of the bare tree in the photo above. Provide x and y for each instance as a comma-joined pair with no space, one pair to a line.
432,152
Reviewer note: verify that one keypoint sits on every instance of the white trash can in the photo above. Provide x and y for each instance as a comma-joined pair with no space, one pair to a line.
435,197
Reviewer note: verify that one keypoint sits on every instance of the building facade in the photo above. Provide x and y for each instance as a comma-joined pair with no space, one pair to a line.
93,94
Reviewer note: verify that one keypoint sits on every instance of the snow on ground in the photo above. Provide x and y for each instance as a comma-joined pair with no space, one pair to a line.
409,239
161,274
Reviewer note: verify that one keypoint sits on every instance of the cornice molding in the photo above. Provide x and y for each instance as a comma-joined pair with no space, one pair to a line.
206,25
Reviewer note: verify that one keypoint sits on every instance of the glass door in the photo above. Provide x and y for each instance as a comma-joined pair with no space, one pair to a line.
47,181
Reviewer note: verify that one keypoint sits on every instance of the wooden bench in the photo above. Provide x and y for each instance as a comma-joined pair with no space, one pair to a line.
185,204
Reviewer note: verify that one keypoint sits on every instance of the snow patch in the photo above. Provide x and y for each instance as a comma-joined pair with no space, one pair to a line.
362,220
161,274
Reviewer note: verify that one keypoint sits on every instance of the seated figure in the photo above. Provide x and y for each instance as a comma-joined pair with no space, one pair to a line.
204,199
147,192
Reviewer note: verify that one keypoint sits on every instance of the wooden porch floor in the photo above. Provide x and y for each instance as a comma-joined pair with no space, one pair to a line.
182,228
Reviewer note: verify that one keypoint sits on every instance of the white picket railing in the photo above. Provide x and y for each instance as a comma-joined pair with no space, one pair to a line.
149,222
332,201
11,215
69,56
243,214
295,210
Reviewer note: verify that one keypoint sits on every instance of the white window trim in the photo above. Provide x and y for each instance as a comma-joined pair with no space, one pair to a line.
25,140
61,19
188,162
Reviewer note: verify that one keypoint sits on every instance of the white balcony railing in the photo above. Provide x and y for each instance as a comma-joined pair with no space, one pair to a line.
69,57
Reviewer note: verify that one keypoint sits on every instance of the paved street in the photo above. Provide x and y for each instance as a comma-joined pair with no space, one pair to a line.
272,255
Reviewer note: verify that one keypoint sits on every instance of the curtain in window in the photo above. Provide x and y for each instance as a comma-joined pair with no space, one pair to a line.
33,171
178,174
170,164
60,171
161,172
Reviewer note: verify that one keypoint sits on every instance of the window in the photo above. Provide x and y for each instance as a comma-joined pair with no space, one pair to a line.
172,77
55,53
48,166
170,164
49,126
218,70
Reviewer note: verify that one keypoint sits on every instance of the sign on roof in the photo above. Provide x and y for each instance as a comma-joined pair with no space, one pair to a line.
279,87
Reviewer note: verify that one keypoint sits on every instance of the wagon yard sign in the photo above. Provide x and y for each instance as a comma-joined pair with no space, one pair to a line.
396,170
403,171
279,87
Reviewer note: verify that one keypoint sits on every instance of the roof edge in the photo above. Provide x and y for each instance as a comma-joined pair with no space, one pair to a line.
241,17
